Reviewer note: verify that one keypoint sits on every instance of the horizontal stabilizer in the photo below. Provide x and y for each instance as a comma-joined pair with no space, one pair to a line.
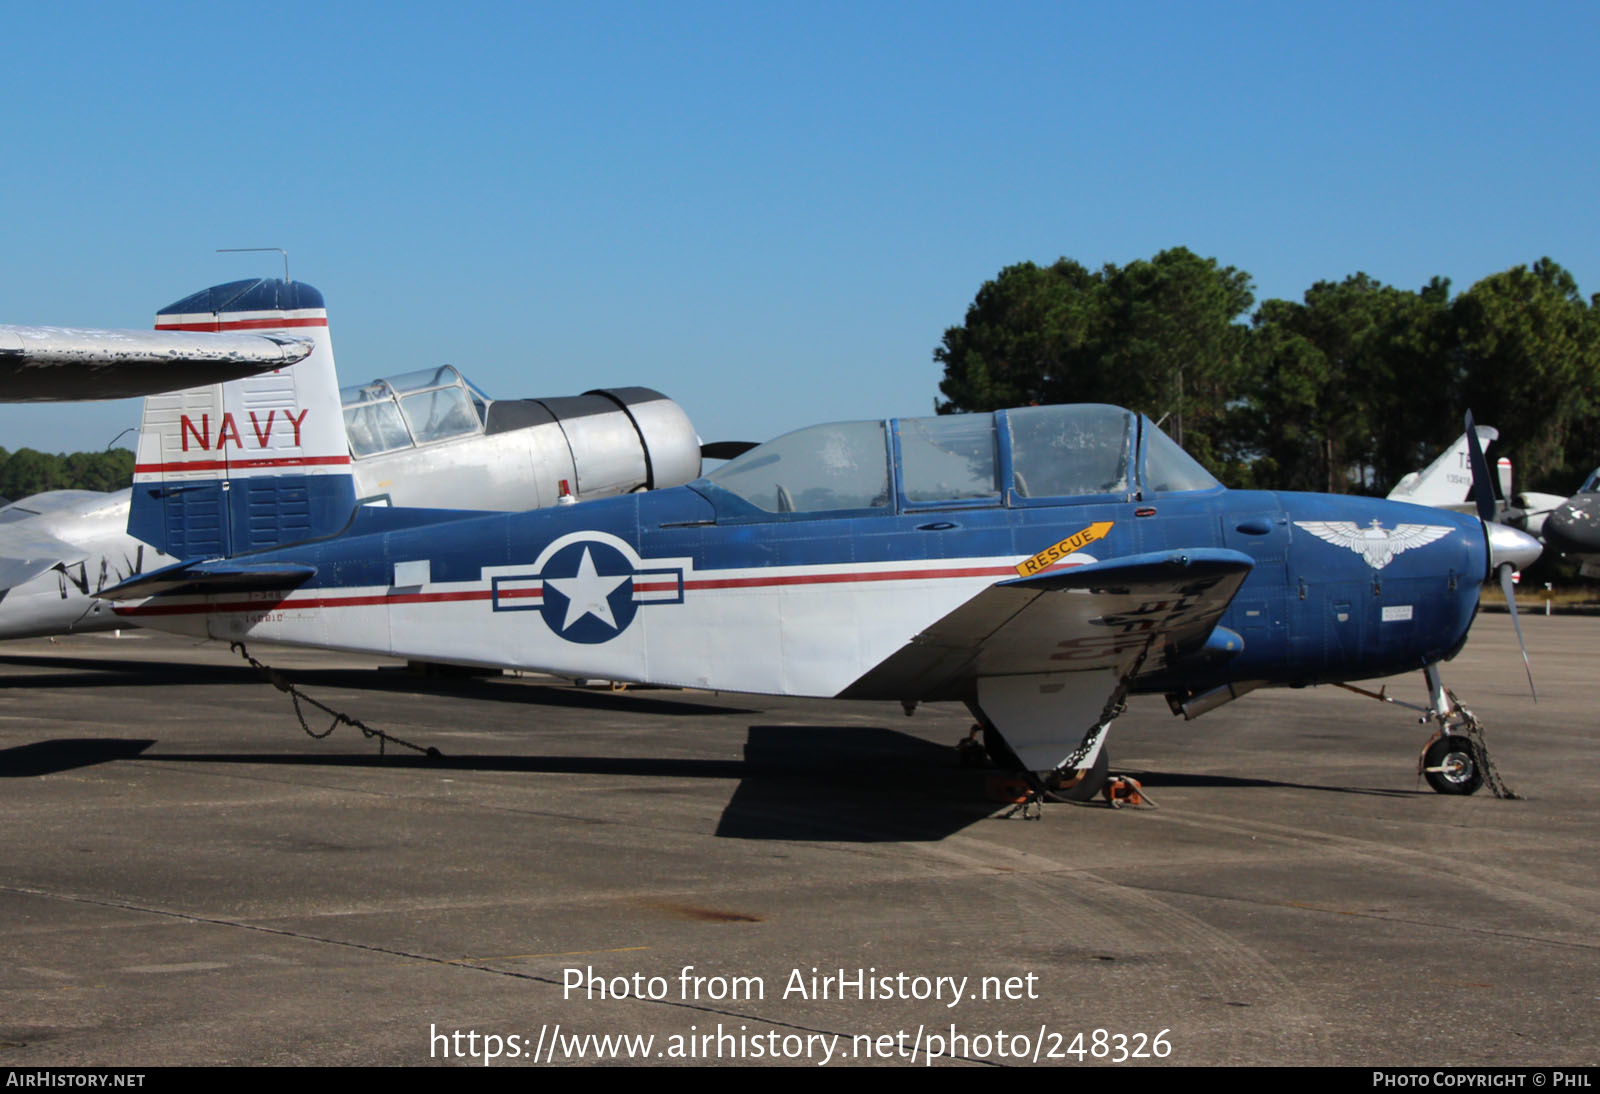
208,578
1098,616
43,364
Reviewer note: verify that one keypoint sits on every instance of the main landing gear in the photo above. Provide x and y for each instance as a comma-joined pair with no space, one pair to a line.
1067,783
1028,720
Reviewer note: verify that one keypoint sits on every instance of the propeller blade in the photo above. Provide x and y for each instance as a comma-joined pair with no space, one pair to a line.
726,450
1482,489
1503,468
1509,588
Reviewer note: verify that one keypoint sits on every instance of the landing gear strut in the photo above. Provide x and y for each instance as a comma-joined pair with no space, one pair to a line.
1455,760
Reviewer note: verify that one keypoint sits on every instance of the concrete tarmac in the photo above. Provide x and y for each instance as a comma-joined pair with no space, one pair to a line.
187,878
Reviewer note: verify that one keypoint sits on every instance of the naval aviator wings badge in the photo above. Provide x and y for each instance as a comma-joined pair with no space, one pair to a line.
1376,544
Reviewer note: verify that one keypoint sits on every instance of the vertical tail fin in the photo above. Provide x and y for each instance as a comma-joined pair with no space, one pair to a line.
1447,481
250,464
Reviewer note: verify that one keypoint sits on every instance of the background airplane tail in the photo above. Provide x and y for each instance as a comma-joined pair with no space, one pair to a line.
1445,483
255,463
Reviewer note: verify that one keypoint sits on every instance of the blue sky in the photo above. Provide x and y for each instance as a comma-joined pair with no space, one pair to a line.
770,212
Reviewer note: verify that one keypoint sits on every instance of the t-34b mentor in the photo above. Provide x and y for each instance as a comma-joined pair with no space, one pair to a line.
1038,564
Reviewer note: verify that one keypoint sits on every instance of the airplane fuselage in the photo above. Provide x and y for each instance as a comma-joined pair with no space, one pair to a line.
99,553
680,587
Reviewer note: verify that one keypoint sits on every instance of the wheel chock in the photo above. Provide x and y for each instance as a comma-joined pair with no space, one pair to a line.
1121,790
1008,789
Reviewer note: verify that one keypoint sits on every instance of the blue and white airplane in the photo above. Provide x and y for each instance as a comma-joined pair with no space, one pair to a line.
1038,564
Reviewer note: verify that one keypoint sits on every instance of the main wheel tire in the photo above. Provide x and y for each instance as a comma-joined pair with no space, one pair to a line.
1459,766
1093,781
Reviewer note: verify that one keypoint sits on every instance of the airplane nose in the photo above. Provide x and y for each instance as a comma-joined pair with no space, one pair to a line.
1574,526
1510,547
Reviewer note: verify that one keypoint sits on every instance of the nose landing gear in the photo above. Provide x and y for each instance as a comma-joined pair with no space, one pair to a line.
1451,764
1455,760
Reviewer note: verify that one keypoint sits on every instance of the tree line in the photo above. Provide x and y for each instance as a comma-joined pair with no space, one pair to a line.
25,471
1343,391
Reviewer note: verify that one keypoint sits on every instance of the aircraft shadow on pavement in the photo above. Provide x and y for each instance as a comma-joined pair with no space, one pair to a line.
68,754
89,672
835,783
1170,779
852,784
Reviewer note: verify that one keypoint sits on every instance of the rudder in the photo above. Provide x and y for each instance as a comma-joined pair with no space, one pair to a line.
261,462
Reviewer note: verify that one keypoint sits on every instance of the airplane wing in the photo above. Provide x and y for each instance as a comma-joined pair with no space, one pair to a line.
1043,655
25,555
1072,619
45,364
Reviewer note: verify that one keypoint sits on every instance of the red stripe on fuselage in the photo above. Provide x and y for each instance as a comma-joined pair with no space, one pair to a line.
485,594
836,578
306,602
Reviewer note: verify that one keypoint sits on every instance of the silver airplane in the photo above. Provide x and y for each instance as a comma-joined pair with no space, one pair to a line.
1572,526
423,439
1446,483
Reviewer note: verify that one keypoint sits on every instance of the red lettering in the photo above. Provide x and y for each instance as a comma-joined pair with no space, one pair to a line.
226,430
296,423
1096,646
262,435
202,436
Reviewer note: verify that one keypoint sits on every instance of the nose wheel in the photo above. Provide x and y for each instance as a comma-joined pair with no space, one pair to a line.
1452,764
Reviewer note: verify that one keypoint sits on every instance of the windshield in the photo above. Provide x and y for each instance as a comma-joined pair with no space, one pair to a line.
1168,468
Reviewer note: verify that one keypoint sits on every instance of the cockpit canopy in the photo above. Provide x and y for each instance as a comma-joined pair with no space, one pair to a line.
1030,456
1591,485
417,408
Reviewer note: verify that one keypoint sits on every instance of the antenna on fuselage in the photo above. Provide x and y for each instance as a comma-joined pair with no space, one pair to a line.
234,250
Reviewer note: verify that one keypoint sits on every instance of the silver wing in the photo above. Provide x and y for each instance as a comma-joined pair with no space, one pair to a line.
51,364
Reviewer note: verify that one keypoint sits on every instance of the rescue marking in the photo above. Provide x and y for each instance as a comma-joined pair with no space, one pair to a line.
1059,551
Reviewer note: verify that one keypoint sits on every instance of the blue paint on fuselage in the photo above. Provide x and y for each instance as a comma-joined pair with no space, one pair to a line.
1311,611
